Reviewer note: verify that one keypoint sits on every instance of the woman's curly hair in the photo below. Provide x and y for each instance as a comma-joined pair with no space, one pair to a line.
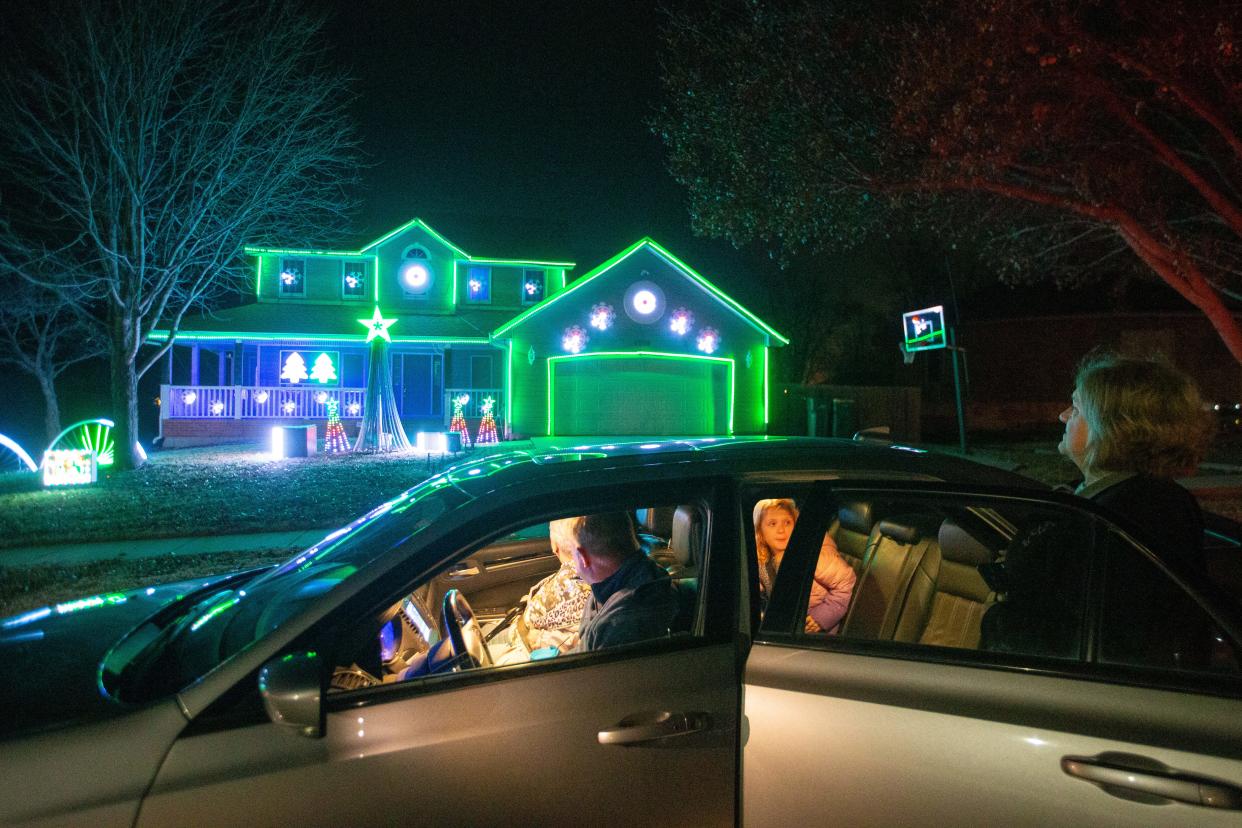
1143,415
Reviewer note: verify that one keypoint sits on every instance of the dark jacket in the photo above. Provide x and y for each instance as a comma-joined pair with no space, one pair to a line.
1166,514
635,603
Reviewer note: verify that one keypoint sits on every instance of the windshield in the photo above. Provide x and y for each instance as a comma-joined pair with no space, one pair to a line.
188,639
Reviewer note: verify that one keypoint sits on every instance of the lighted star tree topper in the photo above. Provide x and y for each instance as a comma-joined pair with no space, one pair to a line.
458,423
334,439
487,428
380,429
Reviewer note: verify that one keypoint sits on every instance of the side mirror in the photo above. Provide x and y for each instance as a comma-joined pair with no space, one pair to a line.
292,689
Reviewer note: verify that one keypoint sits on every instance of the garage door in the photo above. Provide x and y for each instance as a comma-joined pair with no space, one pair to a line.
640,394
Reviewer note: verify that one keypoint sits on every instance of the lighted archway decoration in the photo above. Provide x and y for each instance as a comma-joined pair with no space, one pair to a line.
89,435
23,459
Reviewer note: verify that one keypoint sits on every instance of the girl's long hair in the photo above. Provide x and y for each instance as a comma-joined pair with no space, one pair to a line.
761,509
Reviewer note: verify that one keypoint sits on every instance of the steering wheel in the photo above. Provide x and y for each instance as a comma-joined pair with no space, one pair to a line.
461,629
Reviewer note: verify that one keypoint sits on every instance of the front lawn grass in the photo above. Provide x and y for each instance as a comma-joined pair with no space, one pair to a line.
26,588
205,491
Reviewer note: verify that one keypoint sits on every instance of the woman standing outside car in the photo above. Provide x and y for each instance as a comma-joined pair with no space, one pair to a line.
1132,426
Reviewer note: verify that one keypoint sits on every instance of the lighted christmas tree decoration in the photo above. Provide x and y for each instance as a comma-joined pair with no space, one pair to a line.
294,369
487,428
334,439
458,423
602,316
681,321
708,341
380,429
575,339
323,371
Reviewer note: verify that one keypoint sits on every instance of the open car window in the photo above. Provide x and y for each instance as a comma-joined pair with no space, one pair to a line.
998,579
517,596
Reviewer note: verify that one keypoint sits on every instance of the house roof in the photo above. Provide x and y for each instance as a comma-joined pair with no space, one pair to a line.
368,248
676,263
287,321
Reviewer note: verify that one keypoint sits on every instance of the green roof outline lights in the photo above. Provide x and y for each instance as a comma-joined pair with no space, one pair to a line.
236,336
260,251
671,259
729,361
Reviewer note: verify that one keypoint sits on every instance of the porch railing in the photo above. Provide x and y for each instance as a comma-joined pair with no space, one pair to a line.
239,402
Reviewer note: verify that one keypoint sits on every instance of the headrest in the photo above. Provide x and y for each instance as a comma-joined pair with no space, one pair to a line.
657,520
902,532
684,535
957,545
856,516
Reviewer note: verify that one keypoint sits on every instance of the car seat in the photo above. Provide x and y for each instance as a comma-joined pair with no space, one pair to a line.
961,595
893,595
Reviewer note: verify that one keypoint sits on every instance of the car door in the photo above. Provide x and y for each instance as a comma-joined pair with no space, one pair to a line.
643,734
922,710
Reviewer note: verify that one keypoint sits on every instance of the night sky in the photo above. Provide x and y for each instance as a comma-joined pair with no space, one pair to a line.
517,129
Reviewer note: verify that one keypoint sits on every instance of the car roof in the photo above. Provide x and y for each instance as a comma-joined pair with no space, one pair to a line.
731,456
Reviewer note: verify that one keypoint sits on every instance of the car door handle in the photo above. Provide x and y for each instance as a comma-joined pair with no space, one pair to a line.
463,570
1120,778
650,727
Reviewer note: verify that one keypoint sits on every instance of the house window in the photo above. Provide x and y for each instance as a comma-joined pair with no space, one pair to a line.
415,274
532,287
293,277
479,284
354,280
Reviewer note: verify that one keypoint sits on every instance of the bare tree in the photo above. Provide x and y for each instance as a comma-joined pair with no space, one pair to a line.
42,334
150,139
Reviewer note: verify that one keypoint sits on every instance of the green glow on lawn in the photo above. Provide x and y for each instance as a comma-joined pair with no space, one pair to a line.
728,361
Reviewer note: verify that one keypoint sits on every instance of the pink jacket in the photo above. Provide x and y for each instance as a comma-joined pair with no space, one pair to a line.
831,589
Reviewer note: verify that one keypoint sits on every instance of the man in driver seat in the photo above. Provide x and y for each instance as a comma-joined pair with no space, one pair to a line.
632,597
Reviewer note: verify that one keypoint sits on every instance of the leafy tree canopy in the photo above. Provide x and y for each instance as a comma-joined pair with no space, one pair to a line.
1075,136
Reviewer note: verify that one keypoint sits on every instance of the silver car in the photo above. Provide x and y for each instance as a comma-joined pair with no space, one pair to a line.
358,683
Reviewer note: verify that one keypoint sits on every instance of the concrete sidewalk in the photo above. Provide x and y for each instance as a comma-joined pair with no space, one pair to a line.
80,553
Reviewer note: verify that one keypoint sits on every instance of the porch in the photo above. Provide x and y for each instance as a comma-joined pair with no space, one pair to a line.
209,414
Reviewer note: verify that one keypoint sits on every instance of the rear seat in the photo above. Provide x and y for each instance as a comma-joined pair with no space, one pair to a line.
851,531
962,596
897,582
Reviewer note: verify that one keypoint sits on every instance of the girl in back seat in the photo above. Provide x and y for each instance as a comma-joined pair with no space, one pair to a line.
834,578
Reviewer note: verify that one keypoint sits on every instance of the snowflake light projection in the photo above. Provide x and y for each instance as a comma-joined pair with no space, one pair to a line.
262,397
217,408
575,339
681,321
353,408
708,341
321,397
602,316
189,397
289,407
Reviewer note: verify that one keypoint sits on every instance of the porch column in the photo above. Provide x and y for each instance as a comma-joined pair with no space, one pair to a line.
169,356
238,361
222,359
194,365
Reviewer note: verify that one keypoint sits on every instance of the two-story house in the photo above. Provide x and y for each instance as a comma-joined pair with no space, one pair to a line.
641,344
